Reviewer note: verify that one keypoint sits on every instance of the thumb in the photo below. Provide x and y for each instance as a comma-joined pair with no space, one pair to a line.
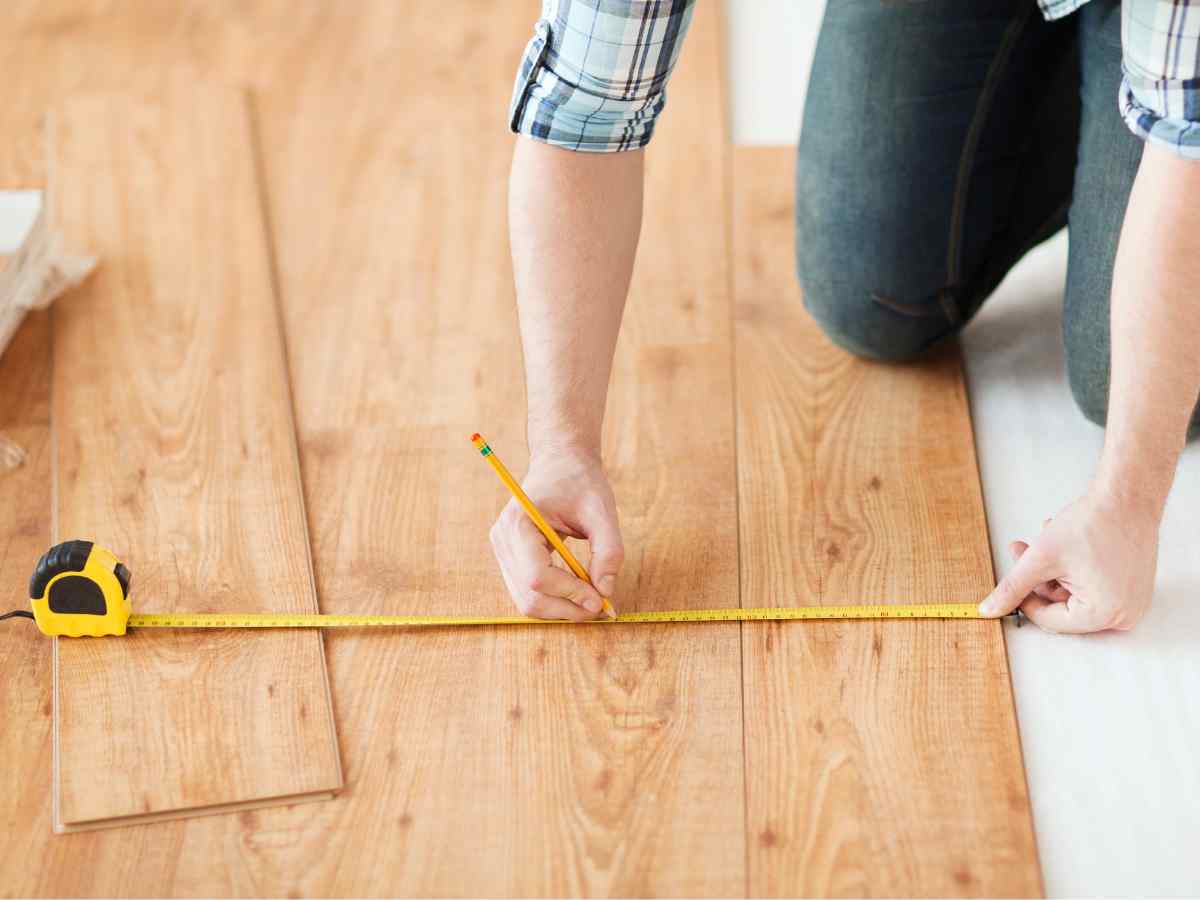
608,552
1032,569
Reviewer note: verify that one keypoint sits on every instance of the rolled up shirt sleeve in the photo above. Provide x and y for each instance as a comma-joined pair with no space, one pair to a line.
594,76
1160,92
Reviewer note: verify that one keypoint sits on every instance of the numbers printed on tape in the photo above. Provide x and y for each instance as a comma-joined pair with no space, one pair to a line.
761,614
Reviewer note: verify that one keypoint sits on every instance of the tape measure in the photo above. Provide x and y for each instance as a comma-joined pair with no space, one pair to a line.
80,589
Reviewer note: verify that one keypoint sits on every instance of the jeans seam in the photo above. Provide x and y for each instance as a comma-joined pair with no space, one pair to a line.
904,309
1049,226
967,162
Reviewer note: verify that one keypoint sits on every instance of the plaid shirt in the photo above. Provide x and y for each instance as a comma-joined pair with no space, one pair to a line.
594,76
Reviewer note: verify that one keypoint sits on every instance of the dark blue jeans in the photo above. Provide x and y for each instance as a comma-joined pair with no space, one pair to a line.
942,140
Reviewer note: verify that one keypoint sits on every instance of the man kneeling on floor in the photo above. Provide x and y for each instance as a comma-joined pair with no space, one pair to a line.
941,142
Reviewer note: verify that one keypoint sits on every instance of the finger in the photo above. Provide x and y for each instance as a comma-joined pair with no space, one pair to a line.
1052,594
552,581
1060,618
517,552
1047,590
531,568
540,606
608,551
1053,591
1032,569
518,549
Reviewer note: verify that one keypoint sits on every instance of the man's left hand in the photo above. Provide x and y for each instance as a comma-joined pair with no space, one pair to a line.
1091,568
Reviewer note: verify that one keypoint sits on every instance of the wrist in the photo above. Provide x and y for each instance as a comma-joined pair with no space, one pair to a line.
562,445
1137,465
1131,492
557,426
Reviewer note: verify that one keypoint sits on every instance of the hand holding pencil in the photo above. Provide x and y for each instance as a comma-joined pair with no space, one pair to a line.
573,498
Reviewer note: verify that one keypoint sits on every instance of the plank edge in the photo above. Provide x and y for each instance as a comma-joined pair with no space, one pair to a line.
191,812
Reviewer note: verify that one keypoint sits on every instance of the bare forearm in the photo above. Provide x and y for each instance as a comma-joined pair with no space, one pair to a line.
1155,331
574,220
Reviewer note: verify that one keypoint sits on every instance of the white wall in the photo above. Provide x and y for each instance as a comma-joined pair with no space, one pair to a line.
771,44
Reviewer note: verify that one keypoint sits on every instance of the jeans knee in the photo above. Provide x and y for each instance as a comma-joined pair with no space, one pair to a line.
855,316
870,296
856,325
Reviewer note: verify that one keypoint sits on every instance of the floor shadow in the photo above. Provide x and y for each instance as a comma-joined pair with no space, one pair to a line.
1020,337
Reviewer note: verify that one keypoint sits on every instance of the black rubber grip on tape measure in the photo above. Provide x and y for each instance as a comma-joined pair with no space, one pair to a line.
78,595
69,556
122,574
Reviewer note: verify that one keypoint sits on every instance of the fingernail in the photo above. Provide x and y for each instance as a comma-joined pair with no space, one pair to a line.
593,604
606,585
988,608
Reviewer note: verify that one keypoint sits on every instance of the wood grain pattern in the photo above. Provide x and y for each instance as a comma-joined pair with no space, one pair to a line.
24,655
25,703
572,764
176,449
545,762
51,51
881,758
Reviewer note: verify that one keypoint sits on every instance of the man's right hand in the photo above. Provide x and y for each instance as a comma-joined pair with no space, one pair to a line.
573,493
574,220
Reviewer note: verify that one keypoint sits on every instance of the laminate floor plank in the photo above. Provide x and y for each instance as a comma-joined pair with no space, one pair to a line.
882,757
175,447
25,656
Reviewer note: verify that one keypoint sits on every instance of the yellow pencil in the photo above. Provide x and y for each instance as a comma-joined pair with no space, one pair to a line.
551,535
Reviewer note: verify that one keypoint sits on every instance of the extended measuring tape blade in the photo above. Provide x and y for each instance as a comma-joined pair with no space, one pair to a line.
81,589
732,614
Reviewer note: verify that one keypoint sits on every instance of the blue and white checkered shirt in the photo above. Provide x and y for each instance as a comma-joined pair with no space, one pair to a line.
594,76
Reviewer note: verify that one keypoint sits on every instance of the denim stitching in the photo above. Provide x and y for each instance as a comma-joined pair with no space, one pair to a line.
905,309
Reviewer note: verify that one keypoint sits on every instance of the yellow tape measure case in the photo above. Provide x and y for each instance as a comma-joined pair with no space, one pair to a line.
79,589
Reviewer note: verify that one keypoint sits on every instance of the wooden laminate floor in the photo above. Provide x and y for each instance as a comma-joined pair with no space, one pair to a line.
853,759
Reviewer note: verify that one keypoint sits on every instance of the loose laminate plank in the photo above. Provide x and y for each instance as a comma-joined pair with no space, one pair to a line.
882,757
520,762
175,447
